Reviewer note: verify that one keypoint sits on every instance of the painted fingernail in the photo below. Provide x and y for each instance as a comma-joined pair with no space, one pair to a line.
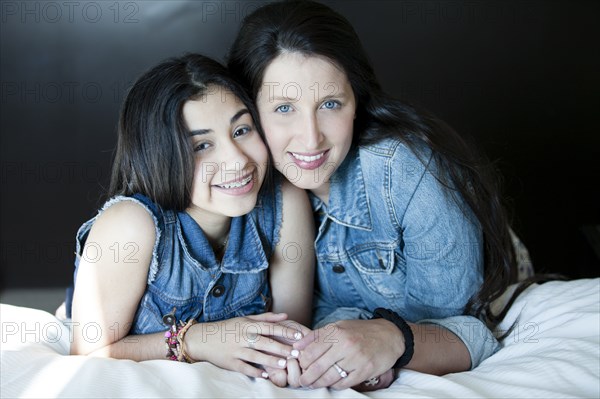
295,353
298,335
265,374
281,362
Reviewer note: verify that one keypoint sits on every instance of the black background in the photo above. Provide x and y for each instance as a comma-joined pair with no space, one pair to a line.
520,77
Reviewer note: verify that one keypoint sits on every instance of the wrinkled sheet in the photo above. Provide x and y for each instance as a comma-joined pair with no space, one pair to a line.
554,351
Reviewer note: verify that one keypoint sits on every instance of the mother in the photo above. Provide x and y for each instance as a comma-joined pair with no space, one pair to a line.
410,222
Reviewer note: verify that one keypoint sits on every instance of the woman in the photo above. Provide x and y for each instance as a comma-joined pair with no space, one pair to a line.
413,244
192,250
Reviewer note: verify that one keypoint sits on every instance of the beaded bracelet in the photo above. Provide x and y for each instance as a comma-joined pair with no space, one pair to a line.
172,344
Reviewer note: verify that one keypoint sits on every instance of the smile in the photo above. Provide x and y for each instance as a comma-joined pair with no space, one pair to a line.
237,183
308,158
309,161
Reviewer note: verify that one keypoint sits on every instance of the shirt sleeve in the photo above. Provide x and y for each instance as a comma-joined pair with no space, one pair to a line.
442,243
478,339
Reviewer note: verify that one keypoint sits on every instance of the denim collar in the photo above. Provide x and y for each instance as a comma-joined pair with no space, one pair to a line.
244,251
348,201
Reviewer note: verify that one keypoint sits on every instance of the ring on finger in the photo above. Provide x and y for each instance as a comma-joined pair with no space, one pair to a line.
343,373
252,338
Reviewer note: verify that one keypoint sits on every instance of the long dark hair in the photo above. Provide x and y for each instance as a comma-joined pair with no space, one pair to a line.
314,29
154,156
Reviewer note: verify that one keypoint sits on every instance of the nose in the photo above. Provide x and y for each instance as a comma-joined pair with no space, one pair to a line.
311,135
233,160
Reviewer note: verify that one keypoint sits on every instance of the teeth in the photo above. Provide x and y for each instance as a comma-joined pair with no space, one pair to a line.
307,158
237,184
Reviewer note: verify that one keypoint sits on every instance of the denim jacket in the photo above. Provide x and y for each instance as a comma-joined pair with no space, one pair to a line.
184,273
391,236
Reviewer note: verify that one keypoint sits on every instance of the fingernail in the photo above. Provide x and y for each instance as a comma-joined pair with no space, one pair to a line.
298,335
265,374
295,353
281,362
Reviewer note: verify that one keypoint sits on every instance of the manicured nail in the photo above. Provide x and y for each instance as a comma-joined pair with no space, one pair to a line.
281,362
298,335
265,374
295,353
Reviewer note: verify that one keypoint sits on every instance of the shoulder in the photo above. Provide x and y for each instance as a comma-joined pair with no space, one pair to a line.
396,151
124,218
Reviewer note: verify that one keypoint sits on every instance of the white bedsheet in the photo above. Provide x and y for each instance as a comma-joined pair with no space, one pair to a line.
553,352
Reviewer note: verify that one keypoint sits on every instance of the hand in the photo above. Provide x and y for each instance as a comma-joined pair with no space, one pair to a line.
242,344
290,376
363,348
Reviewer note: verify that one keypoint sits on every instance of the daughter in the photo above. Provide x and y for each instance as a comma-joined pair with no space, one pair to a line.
192,253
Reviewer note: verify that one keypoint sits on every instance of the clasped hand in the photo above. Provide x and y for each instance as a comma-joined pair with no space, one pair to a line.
355,354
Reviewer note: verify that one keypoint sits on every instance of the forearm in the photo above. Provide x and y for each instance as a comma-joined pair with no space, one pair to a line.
438,351
133,347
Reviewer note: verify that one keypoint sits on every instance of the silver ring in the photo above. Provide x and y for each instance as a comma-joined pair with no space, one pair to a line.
371,382
252,338
340,370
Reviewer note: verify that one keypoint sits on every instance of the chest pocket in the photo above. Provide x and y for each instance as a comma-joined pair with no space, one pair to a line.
380,269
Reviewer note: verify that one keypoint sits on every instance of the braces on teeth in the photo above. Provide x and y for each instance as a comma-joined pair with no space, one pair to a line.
237,184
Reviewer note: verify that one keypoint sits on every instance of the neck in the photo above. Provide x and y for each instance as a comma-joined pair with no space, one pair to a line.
215,227
322,192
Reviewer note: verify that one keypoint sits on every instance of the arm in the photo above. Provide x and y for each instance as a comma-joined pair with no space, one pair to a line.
109,287
292,271
108,291
292,264
443,253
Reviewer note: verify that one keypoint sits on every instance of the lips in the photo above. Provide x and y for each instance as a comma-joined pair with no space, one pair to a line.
309,161
239,186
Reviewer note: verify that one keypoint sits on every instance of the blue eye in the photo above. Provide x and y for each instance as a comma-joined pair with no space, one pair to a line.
284,109
241,132
330,104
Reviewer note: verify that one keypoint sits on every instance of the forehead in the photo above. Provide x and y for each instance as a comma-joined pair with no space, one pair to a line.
216,106
293,68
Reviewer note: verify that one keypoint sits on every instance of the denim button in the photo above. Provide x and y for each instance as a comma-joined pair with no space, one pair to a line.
339,269
218,290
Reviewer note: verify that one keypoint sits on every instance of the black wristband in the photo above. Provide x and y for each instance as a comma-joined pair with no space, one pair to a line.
409,338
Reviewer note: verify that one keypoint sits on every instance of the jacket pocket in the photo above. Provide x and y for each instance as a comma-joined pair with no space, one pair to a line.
380,269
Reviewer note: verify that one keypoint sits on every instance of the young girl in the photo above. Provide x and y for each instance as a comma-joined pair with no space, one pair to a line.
192,253
413,244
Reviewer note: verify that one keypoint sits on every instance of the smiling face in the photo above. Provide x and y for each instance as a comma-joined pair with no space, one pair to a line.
230,156
307,109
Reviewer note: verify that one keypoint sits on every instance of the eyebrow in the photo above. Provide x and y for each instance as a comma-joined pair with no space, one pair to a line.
233,119
339,94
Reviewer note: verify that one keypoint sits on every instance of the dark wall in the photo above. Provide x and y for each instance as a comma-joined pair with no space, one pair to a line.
520,77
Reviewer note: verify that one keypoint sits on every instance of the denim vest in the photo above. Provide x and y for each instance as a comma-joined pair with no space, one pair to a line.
184,273
391,236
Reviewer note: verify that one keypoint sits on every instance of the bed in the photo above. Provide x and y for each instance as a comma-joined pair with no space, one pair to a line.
554,351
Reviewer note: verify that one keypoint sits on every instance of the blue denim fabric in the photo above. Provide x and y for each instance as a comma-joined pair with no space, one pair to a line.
185,274
392,236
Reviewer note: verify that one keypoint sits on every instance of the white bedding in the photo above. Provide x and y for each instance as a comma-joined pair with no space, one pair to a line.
553,352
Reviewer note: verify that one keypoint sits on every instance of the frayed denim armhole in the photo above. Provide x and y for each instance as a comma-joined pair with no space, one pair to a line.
278,213
154,264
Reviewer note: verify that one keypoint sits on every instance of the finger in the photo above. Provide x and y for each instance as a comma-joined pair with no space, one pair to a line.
277,376
249,370
263,359
251,328
314,352
269,317
328,378
270,346
307,339
293,373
